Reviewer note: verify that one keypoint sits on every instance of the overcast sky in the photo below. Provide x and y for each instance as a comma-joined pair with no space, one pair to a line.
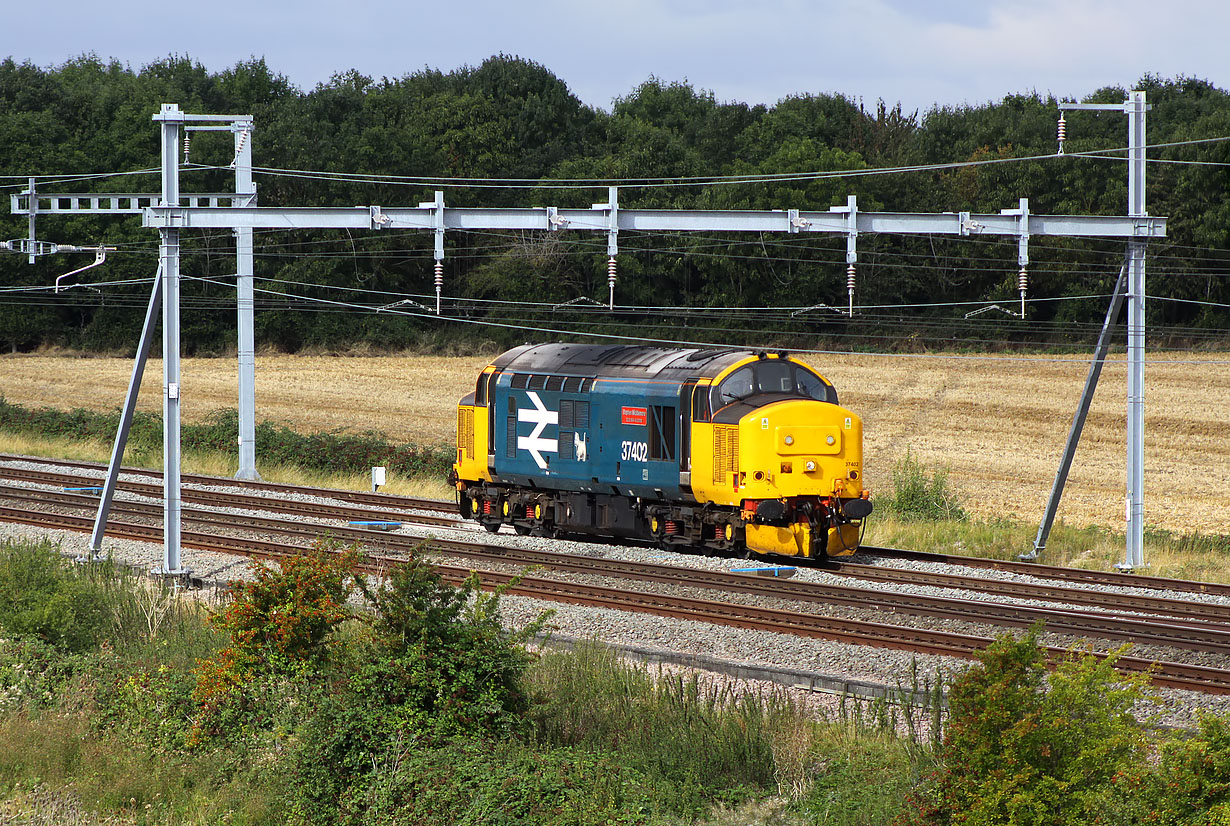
915,52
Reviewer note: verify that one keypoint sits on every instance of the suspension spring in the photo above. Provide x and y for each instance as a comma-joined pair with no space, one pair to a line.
670,528
529,511
486,507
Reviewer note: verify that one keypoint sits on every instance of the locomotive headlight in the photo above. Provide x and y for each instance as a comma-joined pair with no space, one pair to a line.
830,440
789,440
811,465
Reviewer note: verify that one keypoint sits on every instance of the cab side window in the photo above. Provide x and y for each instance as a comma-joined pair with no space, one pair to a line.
701,411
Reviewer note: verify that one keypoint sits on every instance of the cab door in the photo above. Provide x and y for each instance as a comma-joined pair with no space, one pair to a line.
685,434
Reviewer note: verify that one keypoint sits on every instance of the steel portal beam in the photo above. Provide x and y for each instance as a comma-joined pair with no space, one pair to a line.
649,220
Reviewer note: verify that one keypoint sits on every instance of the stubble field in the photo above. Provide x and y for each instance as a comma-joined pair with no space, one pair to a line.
997,423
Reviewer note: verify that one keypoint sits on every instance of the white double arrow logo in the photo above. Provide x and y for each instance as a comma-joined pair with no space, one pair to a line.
541,417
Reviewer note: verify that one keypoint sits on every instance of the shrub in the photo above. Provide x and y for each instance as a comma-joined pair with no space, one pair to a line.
1020,748
441,657
919,497
42,596
1191,787
280,621
434,662
278,625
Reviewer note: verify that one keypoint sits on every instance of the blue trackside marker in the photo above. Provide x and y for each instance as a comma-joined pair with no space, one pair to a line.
377,526
774,571
82,490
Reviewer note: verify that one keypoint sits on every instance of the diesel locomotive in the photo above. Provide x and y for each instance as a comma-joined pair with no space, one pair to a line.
711,450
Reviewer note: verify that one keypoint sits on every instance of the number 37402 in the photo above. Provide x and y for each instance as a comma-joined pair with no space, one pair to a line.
633,451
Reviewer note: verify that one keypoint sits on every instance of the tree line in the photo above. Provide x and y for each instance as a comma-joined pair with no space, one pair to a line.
513,120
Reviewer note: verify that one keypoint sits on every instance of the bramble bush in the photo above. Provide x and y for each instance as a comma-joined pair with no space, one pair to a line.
279,625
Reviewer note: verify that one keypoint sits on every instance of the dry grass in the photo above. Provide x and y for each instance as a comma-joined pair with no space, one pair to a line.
411,398
999,424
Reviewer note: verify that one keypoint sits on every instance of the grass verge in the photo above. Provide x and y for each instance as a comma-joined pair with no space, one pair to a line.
306,460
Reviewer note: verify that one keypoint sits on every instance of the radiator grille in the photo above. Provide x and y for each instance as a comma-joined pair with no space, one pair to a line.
465,430
725,453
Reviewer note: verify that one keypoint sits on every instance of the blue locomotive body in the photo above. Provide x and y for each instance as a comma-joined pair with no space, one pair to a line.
709,449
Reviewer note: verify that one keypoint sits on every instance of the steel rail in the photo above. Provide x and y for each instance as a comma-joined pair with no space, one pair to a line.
1173,608
1201,636
231,500
1036,569
357,497
1170,675
1033,569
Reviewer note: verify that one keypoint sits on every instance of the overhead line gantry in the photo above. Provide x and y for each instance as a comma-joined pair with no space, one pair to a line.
172,212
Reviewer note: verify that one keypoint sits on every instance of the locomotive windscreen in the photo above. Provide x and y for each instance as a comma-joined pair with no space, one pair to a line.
772,376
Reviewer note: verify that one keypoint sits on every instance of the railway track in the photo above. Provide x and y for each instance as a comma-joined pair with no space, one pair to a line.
1193,634
1109,601
239,500
393,504
385,500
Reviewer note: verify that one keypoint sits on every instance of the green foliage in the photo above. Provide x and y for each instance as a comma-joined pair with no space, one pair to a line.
441,655
512,118
279,622
279,626
433,661
41,596
502,783
1188,786
1021,748
704,744
857,778
33,673
917,496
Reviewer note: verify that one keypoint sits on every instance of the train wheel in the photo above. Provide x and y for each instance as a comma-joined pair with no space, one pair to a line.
492,527
522,530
